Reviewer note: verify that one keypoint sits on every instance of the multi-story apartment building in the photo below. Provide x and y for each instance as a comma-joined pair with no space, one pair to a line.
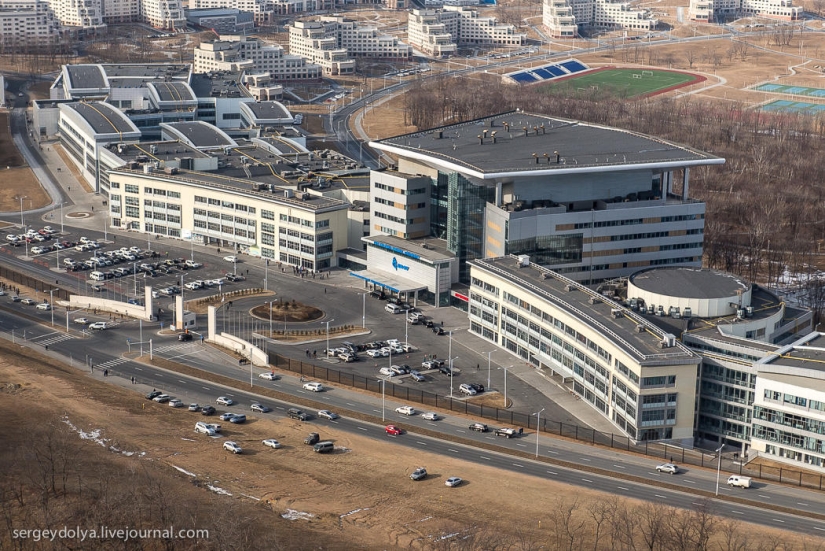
559,16
252,55
121,11
592,202
720,10
440,32
333,41
93,14
86,14
27,22
163,14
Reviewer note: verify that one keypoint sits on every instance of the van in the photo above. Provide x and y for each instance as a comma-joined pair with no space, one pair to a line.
324,447
393,308
740,481
97,276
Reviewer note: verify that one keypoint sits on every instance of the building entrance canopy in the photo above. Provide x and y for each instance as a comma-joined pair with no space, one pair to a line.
391,282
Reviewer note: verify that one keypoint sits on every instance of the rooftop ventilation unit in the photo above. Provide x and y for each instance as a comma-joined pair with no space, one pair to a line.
668,341
569,288
640,328
595,300
616,312
523,261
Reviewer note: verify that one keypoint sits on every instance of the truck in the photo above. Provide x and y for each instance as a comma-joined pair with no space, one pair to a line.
508,432
739,481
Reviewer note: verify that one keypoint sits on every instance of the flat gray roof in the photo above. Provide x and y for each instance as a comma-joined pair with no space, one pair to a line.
173,91
102,117
86,76
621,330
581,147
688,282
147,70
413,248
162,151
798,380
268,110
201,134
809,354
213,85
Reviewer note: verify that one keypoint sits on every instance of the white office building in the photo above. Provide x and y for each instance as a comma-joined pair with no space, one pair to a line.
559,16
253,56
440,32
719,10
25,22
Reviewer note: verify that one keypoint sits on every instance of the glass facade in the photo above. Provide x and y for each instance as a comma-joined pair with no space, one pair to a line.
438,206
548,250
465,222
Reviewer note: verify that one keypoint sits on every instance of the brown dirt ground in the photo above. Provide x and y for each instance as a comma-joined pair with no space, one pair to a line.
360,496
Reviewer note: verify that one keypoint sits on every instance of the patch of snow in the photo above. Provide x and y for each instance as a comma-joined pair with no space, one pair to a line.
425,519
251,497
219,491
95,437
292,514
188,440
184,471
342,449
354,511
448,536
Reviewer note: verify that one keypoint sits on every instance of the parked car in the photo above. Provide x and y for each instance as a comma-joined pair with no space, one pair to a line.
226,416
224,401
204,428
152,395
162,398
387,372
453,481
446,370
260,408
312,438
269,376
478,387
232,446
405,410
467,389
419,474
207,410
314,387
238,419
184,337
272,443
175,403
392,430
416,376
378,353
194,407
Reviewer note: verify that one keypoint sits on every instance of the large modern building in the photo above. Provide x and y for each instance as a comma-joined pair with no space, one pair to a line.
27,22
440,32
709,11
90,15
589,201
334,41
255,57
222,20
567,18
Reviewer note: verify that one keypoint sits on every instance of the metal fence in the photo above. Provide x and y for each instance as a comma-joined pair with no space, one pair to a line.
666,452
23,280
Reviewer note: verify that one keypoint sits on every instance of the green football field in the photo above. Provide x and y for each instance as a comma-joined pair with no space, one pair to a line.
625,82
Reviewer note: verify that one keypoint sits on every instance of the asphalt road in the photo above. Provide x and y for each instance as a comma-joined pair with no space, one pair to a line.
91,348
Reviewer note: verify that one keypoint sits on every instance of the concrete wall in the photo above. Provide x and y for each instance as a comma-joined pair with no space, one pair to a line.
257,356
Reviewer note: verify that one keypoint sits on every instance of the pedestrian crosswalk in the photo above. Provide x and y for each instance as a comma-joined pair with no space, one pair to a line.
56,338
167,348
108,364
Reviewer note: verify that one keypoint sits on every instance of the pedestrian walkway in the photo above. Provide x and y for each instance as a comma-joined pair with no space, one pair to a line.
59,337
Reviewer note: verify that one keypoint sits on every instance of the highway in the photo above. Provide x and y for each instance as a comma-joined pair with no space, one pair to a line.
635,477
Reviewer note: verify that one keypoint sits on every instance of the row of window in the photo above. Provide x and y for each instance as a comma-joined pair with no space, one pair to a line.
793,400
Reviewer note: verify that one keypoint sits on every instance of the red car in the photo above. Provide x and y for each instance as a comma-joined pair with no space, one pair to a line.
392,430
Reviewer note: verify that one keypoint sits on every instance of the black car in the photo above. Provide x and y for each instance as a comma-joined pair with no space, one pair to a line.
438,330
445,369
429,324
313,438
207,410
478,387
185,337
153,394
235,277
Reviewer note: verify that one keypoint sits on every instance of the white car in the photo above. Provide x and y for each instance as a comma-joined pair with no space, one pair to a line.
231,258
314,387
387,372
667,468
193,285
430,416
393,342
44,306
232,446
378,353
98,326
175,403
396,349
204,428
38,250
162,398
327,414
194,407
453,481
467,389
405,410
219,281
224,401
272,443
269,376
81,321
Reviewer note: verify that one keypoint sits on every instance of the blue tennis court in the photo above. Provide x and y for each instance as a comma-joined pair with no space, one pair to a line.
791,90
794,106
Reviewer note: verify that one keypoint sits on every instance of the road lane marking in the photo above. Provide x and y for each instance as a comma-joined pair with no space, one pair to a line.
623,488
452,450
522,445
586,480
738,512
139,368
584,459
820,529
800,503
422,443
554,453
778,520
349,404
659,496
461,431
619,466
519,466
763,496
553,473
688,481
361,428
182,382
484,458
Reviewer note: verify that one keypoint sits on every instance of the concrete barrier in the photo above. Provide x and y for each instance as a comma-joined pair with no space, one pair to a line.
254,354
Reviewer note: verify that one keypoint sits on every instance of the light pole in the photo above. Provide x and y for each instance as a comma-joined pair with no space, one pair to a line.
718,467
505,385
192,248
235,261
364,311
61,216
489,354
327,350
266,275
451,375
383,394
51,304
22,222
270,318
134,274
406,326
538,423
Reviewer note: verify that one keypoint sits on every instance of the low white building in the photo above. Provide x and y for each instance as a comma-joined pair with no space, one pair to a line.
440,32
254,56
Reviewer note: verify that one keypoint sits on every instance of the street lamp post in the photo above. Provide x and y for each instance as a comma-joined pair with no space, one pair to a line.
51,303
270,318
327,350
266,274
538,424
383,394
505,385
134,273
61,216
364,311
718,467
489,354
235,261
451,375
22,222
406,326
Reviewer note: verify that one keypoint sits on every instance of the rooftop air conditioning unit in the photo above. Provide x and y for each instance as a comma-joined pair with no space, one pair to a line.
523,261
669,340
569,288
640,328
595,300
616,312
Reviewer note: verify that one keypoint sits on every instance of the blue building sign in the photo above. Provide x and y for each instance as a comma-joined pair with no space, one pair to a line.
398,266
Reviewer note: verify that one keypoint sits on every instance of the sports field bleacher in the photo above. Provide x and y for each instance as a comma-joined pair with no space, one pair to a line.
548,72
